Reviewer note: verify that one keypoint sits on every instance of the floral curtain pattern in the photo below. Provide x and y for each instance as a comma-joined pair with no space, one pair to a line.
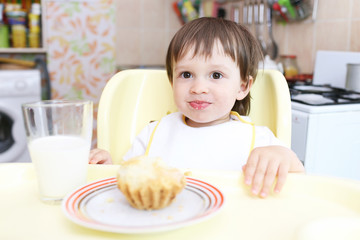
81,49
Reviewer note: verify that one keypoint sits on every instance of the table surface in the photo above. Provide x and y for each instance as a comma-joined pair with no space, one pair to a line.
306,203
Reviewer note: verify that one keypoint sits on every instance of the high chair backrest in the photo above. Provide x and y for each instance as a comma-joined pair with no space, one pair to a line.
270,104
133,98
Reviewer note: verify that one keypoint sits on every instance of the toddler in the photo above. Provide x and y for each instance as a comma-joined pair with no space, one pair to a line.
212,64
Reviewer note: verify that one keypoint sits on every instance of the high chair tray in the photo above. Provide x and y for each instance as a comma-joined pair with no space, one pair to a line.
309,207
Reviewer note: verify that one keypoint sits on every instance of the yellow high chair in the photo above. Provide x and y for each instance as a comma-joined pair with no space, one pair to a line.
133,98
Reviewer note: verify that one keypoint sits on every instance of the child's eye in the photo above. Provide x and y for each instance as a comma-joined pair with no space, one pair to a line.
216,75
186,75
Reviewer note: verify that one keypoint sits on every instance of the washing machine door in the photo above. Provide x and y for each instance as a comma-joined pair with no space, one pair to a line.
12,135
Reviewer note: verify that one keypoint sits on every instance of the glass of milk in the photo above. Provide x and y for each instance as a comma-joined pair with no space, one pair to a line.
59,136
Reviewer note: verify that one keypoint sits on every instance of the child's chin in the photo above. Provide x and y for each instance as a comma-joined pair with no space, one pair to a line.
202,122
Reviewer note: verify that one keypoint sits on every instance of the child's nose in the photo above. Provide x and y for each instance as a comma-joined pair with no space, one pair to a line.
199,86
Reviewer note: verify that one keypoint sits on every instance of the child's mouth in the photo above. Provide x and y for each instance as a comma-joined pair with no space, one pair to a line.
199,105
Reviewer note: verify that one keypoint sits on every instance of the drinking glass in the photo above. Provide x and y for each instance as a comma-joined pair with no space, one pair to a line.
59,136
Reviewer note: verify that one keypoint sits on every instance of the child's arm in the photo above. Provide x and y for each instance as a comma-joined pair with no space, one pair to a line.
265,164
99,156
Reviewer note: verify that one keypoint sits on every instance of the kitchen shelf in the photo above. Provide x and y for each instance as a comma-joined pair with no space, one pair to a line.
22,50
43,48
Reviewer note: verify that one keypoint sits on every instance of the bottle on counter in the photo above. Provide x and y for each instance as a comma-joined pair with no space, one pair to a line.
4,30
290,66
4,36
17,21
34,26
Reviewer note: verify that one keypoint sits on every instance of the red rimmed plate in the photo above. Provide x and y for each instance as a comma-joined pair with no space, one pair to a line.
100,205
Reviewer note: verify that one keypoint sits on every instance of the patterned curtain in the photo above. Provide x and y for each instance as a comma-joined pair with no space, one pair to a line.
81,48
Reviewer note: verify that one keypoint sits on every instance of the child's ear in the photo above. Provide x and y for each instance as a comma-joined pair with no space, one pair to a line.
245,88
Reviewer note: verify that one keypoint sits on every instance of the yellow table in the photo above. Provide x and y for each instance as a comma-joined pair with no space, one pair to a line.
309,207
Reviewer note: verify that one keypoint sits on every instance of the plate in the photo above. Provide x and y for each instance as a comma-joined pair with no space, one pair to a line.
101,205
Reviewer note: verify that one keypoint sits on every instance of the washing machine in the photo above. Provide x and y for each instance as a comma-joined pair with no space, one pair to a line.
16,87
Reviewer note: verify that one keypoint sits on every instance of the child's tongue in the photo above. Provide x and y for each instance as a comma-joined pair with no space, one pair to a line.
199,105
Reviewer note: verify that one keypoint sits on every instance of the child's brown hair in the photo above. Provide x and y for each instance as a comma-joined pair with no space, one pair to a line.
236,40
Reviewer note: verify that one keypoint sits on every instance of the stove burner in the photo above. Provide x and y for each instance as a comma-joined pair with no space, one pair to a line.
313,99
319,95
312,88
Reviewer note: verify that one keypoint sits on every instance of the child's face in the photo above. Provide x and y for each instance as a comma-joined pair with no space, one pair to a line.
205,89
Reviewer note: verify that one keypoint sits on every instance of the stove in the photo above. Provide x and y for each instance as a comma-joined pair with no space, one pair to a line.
320,95
326,129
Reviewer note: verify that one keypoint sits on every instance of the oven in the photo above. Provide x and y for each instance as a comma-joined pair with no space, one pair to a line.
326,130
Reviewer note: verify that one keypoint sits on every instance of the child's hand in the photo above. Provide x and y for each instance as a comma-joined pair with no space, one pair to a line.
99,156
265,164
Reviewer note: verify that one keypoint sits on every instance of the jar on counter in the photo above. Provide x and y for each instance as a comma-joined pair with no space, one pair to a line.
290,66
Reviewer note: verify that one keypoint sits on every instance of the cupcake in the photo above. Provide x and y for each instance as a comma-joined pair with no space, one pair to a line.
148,183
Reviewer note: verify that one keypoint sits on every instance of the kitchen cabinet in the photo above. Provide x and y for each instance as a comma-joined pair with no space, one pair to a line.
42,38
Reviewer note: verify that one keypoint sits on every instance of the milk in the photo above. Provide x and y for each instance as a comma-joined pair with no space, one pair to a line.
61,164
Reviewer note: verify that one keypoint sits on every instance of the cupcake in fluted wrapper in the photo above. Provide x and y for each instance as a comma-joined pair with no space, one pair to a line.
148,183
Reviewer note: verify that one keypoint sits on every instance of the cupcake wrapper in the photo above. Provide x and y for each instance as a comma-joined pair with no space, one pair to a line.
150,197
